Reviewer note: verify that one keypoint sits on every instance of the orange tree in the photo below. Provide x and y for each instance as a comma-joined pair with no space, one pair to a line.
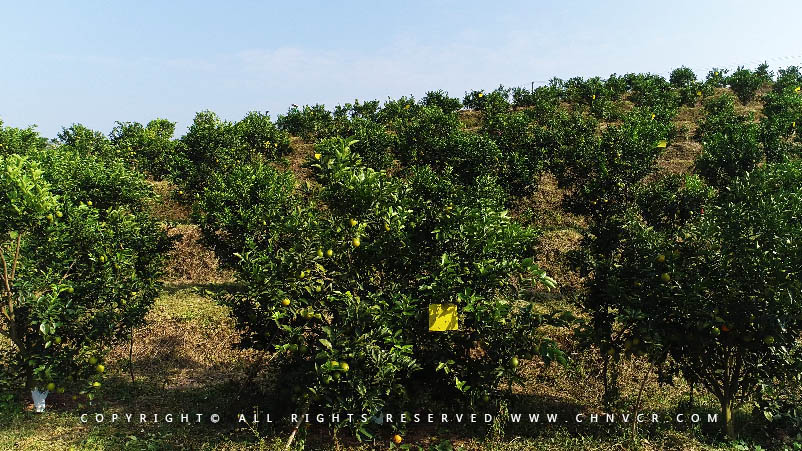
602,170
716,297
213,145
339,279
149,148
730,142
80,264
779,129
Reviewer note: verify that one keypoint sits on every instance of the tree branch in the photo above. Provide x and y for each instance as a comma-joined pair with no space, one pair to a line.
16,256
5,271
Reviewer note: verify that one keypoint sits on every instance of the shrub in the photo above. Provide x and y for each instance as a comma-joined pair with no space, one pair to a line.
493,102
208,146
602,170
221,208
762,71
367,110
423,135
671,201
86,141
212,145
652,92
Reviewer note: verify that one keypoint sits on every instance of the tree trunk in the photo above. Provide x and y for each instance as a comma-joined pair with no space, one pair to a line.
729,425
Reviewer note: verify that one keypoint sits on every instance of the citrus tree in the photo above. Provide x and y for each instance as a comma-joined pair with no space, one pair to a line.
19,140
779,128
340,279
213,145
745,84
730,142
148,148
75,277
716,297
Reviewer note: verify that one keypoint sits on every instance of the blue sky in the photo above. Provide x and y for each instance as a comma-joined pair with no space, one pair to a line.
97,62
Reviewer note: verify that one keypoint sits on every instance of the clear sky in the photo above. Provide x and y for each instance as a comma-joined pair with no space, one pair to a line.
97,62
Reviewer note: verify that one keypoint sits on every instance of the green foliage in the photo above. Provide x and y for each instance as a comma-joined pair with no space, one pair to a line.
26,193
730,142
745,84
672,200
258,134
311,123
19,141
718,293
496,101
683,80
717,78
788,80
779,406
783,116
76,278
246,198
373,143
762,71
400,110
212,145
601,169
83,178
423,136
523,157
86,140
682,77
441,100
352,322
543,101
653,92
150,148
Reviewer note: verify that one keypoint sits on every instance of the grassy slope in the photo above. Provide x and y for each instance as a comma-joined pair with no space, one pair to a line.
185,360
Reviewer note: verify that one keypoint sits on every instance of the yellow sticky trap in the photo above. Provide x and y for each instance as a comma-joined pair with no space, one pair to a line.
662,143
797,89
699,93
443,317
594,96
652,116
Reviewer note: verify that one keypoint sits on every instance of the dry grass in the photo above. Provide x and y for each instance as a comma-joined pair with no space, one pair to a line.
167,207
191,263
